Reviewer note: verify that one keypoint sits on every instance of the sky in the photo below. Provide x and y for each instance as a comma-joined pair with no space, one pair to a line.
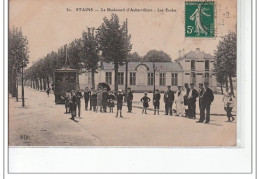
48,24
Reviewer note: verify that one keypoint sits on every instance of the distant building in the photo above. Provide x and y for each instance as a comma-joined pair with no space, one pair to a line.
140,76
195,66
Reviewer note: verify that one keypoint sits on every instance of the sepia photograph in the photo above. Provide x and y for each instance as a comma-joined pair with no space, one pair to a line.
122,73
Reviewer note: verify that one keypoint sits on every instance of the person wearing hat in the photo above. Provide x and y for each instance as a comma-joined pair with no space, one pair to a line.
156,101
120,97
201,91
129,99
145,100
179,100
111,99
193,94
187,91
73,103
228,105
78,101
87,95
168,99
206,100
104,99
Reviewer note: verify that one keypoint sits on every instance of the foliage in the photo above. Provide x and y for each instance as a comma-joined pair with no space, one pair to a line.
157,56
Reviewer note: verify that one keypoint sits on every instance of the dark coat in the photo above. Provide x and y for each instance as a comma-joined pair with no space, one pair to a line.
194,96
207,97
104,97
111,99
145,100
170,96
130,96
78,96
156,99
87,94
94,99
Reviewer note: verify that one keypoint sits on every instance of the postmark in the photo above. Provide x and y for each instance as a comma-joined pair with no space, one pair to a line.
200,19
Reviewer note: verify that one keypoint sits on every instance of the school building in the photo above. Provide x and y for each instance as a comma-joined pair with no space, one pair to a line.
195,66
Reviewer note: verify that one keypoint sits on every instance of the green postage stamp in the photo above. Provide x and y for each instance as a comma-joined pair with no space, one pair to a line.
199,19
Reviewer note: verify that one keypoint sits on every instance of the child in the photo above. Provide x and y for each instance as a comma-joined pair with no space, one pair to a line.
110,100
156,101
94,100
228,106
145,100
48,91
120,97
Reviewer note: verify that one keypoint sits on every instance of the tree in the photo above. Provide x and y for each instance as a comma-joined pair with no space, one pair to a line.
157,56
74,50
114,43
226,59
18,58
90,53
135,57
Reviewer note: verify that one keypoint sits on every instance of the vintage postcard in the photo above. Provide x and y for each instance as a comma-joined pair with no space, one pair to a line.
139,73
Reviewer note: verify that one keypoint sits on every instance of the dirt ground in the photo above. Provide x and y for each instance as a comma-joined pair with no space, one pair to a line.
43,123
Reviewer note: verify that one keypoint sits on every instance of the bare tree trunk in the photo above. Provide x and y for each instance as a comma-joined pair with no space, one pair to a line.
116,76
44,84
16,89
40,83
93,78
226,83
221,87
48,83
231,85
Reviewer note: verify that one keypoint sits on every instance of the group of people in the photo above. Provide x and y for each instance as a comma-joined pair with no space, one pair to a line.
182,102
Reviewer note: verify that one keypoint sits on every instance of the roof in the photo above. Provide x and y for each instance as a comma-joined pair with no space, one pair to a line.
195,55
65,69
162,66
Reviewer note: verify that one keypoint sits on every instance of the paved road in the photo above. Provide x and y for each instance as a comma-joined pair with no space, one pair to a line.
42,123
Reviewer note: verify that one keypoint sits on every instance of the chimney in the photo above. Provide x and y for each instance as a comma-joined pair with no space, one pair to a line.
197,50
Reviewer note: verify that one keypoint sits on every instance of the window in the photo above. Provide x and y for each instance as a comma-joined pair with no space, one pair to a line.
150,78
174,79
58,77
192,63
132,78
162,79
206,65
193,78
72,77
120,78
206,78
109,78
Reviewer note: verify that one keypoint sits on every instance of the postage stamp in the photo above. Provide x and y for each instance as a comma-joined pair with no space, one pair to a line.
199,19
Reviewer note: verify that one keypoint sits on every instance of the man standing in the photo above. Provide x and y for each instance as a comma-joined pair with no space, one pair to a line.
187,91
206,100
78,102
87,95
120,97
169,100
193,94
156,101
129,100
179,102
90,98
104,99
201,91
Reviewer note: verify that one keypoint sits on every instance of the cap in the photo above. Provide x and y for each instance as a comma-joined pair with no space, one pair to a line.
191,83
168,86
200,84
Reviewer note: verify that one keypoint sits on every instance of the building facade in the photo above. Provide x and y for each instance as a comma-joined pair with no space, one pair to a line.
195,67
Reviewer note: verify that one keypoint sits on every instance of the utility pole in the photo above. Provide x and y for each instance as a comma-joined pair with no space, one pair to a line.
126,63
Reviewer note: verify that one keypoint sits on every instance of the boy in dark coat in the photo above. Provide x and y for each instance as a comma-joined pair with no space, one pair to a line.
94,100
145,100
120,97
73,103
104,99
110,100
129,100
